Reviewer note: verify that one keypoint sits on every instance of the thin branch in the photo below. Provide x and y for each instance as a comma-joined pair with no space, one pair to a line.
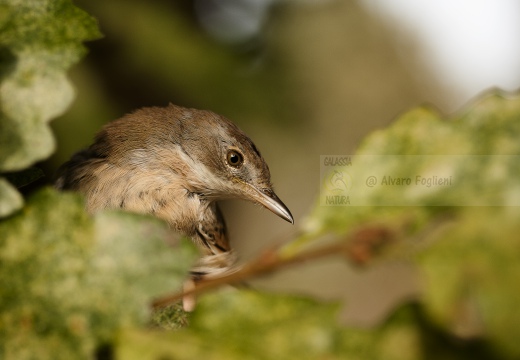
359,248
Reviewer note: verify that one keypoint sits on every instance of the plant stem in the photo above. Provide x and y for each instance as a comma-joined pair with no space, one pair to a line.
358,248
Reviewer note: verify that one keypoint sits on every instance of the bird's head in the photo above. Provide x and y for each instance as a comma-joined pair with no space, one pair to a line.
227,162
213,157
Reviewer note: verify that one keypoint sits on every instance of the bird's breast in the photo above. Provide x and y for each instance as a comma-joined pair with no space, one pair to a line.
161,194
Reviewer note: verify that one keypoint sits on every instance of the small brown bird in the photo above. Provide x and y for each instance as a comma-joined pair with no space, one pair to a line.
175,163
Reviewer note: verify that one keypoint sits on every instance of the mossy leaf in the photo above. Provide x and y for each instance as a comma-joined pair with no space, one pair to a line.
238,324
478,148
70,281
10,199
469,260
39,41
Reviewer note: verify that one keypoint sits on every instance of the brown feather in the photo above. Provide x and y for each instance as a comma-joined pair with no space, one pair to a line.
169,162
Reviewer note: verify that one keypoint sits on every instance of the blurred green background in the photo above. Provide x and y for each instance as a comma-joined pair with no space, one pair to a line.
301,78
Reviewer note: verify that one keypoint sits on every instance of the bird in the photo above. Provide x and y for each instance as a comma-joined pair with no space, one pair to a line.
176,164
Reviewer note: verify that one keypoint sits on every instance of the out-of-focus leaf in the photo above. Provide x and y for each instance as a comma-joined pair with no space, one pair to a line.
467,146
249,325
69,281
243,325
39,41
472,273
10,199
133,264
470,262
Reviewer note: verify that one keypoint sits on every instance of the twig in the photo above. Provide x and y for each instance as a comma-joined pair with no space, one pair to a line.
359,249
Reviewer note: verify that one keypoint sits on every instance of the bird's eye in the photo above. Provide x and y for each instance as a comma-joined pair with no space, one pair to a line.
234,158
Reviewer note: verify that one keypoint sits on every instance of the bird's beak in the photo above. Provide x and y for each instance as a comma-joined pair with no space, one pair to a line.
270,201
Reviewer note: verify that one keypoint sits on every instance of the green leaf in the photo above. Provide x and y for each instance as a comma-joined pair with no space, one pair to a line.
235,324
135,254
247,325
10,199
70,281
39,41
470,260
471,274
479,148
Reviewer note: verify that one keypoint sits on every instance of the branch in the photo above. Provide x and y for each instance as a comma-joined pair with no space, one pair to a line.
359,248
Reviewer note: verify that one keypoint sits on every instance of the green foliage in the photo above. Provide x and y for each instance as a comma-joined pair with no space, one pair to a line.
242,324
39,41
248,325
70,281
10,199
467,146
471,273
171,317
468,254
